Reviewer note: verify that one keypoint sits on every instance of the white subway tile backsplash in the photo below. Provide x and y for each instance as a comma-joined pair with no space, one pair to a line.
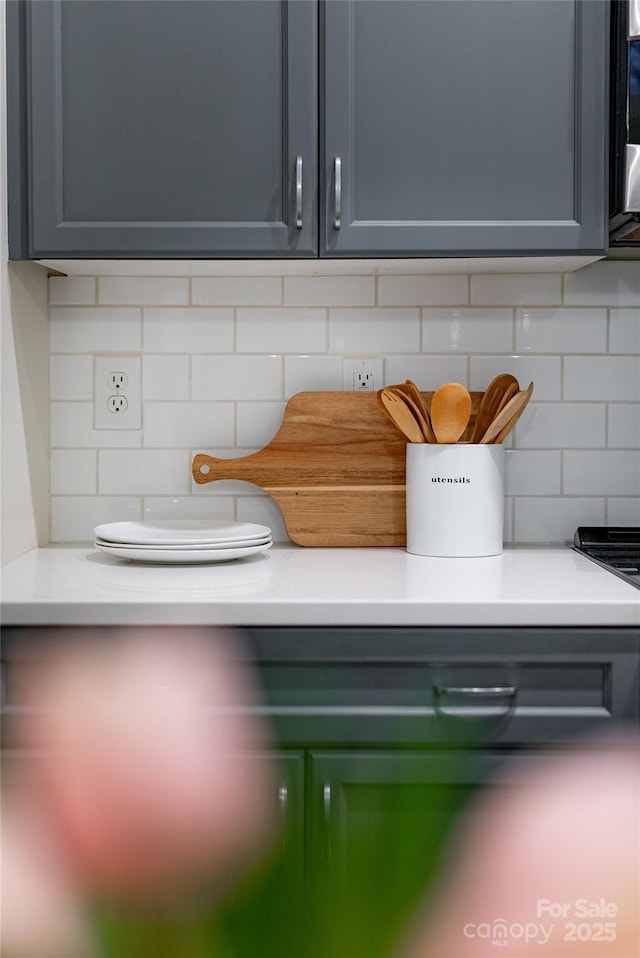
236,377
467,330
507,530
222,353
561,330
236,291
277,330
427,372
374,330
532,473
423,290
624,335
188,329
624,426
544,371
143,290
71,377
610,473
516,289
311,372
554,521
72,426
90,329
562,426
329,290
188,507
74,472
183,425
73,518
72,290
133,472
607,283
602,378
165,377
623,512
258,422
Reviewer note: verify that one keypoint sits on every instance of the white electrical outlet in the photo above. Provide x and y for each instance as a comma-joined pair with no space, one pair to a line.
362,375
117,381
117,403
117,392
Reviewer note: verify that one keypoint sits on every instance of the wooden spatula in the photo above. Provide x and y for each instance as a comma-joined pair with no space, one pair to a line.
508,416
400,414
491,402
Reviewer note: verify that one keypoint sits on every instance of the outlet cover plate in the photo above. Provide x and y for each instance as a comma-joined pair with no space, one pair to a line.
362,375
103,390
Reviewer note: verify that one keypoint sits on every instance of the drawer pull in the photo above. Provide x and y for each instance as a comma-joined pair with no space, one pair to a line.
477,691
474,701
283,799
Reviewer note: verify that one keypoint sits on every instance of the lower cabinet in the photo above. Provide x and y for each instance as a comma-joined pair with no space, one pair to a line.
383,738
364,834
380,821
398,730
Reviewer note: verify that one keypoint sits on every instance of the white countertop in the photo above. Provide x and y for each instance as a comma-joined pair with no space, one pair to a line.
290,585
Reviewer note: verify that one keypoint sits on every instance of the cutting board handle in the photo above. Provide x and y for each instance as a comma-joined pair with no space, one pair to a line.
207,468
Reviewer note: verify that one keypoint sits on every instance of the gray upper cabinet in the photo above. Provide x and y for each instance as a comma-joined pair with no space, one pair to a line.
181,128
464,128
218,128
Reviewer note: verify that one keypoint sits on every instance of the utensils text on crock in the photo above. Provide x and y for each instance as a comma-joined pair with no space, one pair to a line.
491,402
506,419
400,414
450,412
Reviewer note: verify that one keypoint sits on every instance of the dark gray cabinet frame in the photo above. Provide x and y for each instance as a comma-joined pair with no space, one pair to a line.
323,68
39,225
438,128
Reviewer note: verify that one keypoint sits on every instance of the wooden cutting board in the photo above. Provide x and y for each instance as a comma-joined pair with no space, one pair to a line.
336,469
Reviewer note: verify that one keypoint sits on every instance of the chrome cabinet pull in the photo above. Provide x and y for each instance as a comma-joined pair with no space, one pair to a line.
475,691
337,170
474,701
299,193
283,799
326,802
328,837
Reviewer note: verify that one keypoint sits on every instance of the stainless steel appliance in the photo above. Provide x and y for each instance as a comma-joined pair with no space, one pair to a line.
624,191
616,548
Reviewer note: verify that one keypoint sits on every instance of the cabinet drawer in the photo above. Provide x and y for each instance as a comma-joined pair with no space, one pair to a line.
411,692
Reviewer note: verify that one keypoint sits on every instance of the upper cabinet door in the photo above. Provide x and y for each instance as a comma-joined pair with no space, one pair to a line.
464,127
172,128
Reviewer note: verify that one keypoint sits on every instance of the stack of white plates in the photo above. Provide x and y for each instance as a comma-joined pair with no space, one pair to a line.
182,540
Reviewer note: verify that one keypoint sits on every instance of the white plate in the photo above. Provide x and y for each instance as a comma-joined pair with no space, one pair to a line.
180,555
215,546
185,532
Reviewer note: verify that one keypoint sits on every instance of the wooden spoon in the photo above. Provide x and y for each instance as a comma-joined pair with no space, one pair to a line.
508,416
506,429
412,392
396,409
418,409
490,403
508,394
450,411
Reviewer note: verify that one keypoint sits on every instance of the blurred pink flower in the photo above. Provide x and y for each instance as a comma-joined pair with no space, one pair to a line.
151,780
